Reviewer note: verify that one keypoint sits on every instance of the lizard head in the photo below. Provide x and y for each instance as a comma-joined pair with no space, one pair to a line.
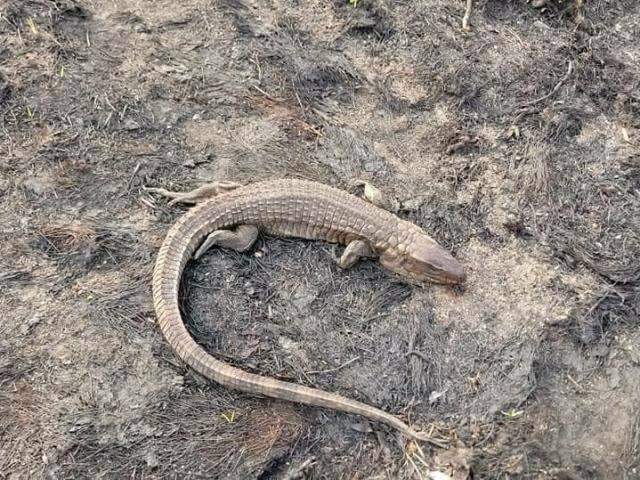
424,261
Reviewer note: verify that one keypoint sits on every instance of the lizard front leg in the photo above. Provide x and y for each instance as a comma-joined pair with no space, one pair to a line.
199,194
354,251
240,239
374,195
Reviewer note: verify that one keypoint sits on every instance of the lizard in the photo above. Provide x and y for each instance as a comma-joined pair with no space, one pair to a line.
230,215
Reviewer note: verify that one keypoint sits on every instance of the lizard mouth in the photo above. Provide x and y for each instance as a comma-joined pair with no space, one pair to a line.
449,277
438,267
453,273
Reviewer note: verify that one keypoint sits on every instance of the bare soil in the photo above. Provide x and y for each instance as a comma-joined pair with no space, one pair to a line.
516,144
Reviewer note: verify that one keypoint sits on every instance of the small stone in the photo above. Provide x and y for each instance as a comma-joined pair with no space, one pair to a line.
374,165
614,377
130,124
152,460
303,297
435,396
436,475
413,204
38,185
32,322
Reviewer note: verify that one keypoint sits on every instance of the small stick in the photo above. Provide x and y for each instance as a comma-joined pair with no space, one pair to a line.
408,457
467,14
460,144
418,354
555,89
133,175
263,92
147,203
331,370
578,386
298,472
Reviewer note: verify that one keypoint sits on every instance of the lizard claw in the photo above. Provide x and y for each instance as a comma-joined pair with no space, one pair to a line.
334,254
374,195
205,192
424,437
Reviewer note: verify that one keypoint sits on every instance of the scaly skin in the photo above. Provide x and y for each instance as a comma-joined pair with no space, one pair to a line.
292,208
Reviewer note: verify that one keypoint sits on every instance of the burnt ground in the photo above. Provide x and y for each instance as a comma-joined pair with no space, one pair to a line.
515,144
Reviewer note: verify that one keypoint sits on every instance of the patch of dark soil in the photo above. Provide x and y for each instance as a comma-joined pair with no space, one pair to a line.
317,78
598,379
372,19
194,435
268,316
5,89
349,155
124,305
85,245
606,312
452,224
17,402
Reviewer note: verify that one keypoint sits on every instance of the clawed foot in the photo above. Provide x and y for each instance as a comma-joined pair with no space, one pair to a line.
240,239
356,250
424,437
375,196
199,194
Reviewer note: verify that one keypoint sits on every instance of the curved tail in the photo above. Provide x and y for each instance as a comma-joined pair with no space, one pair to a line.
180,243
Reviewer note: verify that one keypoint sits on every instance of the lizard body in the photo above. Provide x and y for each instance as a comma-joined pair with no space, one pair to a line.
290,208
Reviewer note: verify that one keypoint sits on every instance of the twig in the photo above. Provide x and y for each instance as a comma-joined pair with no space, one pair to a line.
602,298
147,203
263,92
295,90
418,354
578,386
331,370
467,14
555,89
298,472
486,438
415,467
463,141
133,175
257,64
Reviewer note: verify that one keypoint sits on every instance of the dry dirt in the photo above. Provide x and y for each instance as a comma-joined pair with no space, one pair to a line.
516,144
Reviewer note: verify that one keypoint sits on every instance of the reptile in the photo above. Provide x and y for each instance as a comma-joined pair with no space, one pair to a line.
231,215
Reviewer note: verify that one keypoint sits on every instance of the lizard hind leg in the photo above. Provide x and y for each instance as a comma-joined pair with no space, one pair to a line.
239,239
206,191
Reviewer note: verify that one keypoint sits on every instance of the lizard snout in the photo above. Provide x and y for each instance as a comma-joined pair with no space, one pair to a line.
425,263
453,270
